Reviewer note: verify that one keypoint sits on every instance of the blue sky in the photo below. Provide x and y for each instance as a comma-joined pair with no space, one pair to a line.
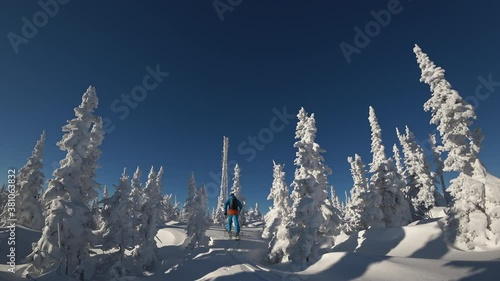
230,77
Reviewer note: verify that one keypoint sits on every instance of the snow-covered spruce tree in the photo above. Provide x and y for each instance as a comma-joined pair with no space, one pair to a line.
169,209
167,212
278,250
224,185
199,220
301,124
176,216
438,162
189,208
105,192
29,187
386,180
286,224
135,198
256,213
66,236
90,165
334,199
236,189
471,219
250,218
280,194
96,208
398,162
402,172
159,190
354,207
312,212
452,115
421,185
116,229
362,211
408,147
144,254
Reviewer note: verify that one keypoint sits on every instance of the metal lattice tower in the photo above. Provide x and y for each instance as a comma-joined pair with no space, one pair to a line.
224,185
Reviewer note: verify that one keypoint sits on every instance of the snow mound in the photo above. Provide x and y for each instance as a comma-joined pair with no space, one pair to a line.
172,236
423,239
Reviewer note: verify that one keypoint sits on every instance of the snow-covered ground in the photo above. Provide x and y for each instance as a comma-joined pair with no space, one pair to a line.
414,252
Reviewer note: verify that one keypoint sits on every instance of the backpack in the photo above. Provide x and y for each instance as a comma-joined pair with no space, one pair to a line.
233,204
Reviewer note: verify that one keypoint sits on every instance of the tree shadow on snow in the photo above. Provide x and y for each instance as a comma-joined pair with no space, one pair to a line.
376,245
481,270
194,264
434,249
348,245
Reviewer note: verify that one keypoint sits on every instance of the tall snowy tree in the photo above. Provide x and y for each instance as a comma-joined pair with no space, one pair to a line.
167,212
312,212
189,207
334,198
135,199
280,194
29,187
386,180
474,211
144,254
176,216
236,189
421,186
438,162
159,190
363,209
199,220
398,162
257,215
117,228
90,165
224,185
453,117
66,236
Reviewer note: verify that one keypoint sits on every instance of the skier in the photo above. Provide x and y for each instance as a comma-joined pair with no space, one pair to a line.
232,209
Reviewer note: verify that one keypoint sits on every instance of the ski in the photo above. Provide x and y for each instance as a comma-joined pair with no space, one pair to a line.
232,234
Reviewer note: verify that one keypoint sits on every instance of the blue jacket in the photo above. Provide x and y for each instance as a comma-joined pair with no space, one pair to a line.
226,205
